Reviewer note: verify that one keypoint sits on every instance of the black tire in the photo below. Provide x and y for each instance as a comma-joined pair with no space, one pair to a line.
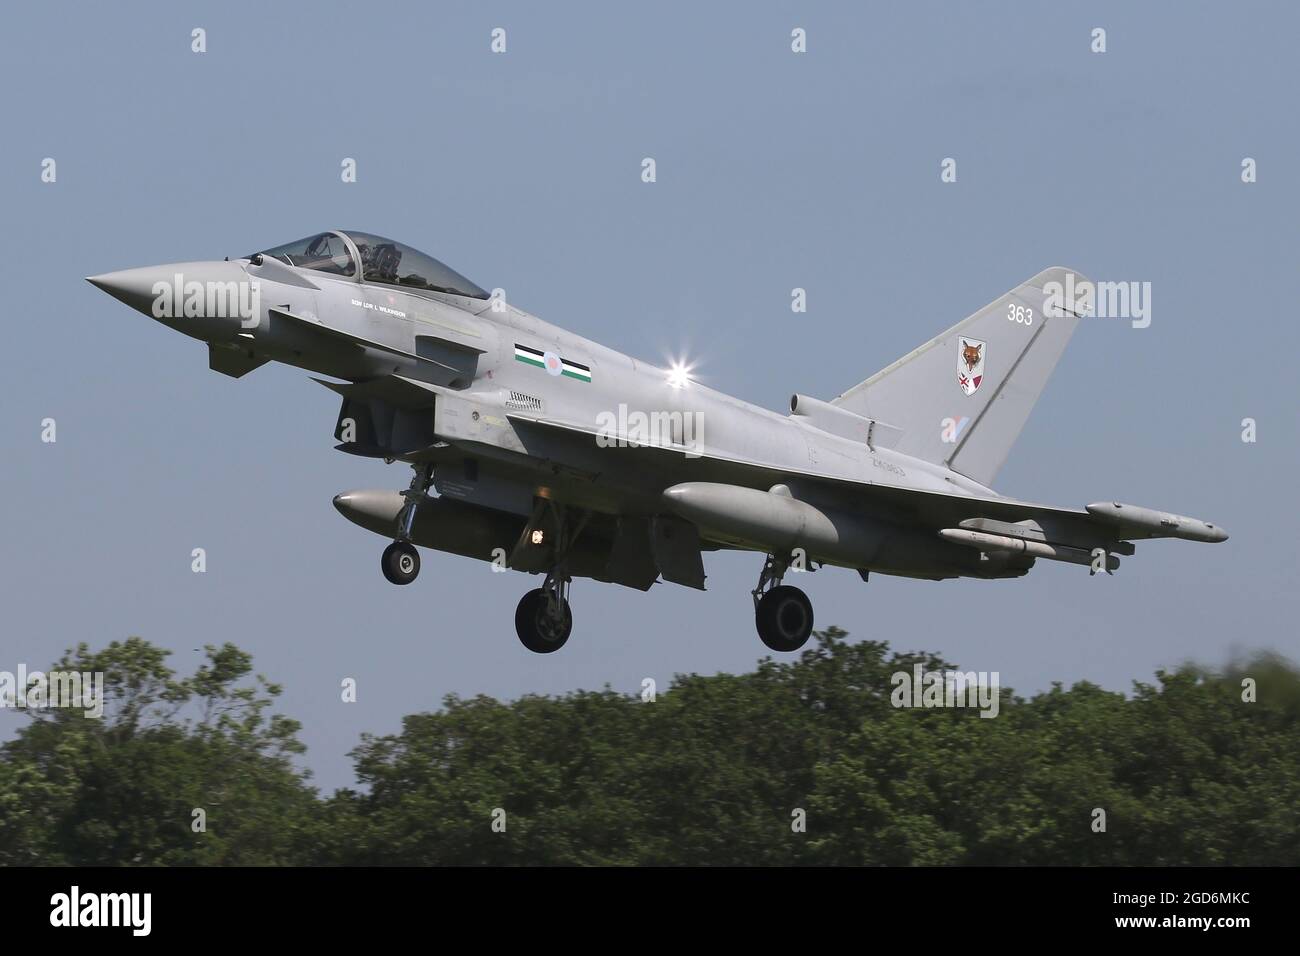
536,630
784,618
400,563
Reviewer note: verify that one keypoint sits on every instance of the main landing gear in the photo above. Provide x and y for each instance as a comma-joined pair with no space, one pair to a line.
543,619
401,562
782,613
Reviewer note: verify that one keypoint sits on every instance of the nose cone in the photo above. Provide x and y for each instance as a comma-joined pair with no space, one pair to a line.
208,300
135,287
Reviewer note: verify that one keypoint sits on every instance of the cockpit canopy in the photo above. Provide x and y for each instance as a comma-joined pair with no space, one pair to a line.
382,260
325,252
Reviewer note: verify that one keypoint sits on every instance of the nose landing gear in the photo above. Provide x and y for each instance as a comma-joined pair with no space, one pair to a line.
782,613
400,561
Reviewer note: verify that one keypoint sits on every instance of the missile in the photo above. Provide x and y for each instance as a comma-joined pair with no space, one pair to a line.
1071,537
985,541
1157,524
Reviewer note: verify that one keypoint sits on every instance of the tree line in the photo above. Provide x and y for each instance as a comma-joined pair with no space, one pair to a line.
801,762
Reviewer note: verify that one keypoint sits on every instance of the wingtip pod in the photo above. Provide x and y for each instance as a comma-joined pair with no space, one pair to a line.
1157,524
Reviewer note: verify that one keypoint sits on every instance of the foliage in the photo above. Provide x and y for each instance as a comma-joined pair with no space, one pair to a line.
122,789
713,772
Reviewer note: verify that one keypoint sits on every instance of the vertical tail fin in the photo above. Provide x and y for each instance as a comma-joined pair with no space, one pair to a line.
963,397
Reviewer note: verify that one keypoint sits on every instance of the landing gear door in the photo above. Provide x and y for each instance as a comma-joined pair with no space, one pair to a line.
676,546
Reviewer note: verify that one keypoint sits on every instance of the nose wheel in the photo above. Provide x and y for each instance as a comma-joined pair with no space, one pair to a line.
783,614
400,562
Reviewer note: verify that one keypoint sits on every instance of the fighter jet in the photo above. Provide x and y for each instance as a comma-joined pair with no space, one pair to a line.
543,452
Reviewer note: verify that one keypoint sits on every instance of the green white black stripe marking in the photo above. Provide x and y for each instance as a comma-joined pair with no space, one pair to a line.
538,358
531,356
574,370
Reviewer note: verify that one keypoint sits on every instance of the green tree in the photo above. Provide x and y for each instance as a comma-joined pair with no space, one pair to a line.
121,789
1188,770
1184,769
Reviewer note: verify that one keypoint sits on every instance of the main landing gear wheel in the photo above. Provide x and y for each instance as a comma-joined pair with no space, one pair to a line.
782,614
543,626
401,562
784,618
543,620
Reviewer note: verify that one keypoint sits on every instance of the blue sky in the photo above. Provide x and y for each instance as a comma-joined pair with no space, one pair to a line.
522,170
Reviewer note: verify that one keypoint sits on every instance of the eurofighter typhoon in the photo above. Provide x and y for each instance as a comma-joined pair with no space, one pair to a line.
546,453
